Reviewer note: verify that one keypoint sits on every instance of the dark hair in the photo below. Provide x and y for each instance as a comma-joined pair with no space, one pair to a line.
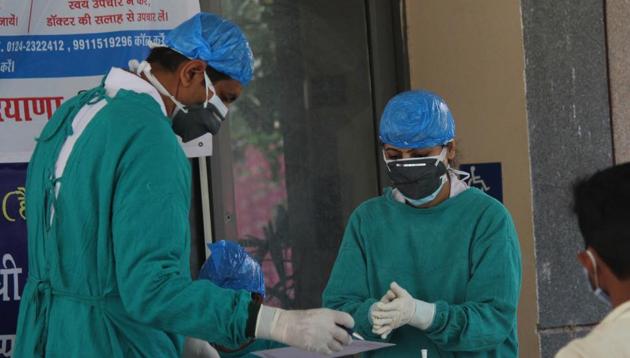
171,59
602,205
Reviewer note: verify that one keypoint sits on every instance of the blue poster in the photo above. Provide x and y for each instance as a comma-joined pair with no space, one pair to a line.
486,177
13,250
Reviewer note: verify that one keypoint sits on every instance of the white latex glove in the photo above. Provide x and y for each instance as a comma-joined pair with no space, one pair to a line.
394,310
398,308
315,330
198,348
388,297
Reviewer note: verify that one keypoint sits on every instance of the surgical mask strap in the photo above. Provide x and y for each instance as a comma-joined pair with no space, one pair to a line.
215,100
209,86
460,173
598,291
145,68
387,161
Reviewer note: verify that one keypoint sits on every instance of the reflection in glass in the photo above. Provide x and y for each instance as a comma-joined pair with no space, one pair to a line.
302,139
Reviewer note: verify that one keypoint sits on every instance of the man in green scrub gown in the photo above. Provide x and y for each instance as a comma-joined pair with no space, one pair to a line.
431,264
108,196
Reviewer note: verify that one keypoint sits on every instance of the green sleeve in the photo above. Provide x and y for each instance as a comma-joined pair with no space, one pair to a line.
151,244
488,316
347,288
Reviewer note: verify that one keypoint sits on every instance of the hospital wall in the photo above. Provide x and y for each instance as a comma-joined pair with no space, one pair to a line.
529,87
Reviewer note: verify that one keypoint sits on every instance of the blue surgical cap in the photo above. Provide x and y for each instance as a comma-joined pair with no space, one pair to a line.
217,41
416,119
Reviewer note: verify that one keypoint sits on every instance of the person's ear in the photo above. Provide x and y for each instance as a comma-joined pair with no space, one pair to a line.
192,73
585,261
452,150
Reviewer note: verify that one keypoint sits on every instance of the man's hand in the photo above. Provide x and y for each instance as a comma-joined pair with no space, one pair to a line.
315,330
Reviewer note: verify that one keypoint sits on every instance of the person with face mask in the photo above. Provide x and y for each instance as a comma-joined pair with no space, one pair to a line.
602,205
108,192
431,264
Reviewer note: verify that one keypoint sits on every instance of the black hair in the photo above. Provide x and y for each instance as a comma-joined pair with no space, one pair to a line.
602,205
171,60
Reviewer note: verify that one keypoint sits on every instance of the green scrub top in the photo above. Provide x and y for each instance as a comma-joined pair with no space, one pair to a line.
463,255
110,277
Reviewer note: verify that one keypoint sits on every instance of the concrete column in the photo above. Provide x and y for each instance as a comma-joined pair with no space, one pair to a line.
617,15
569,137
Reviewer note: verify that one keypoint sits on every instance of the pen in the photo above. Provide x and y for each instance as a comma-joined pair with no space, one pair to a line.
352,333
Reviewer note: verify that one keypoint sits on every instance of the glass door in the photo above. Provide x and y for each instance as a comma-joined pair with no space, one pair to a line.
299,151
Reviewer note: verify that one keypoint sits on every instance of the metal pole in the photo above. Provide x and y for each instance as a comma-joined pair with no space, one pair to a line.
205,203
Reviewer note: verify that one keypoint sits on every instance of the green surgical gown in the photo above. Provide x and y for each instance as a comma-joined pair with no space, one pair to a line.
463,255
110,277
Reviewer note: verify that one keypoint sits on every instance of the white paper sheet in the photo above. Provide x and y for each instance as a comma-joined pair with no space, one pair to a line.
357,346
